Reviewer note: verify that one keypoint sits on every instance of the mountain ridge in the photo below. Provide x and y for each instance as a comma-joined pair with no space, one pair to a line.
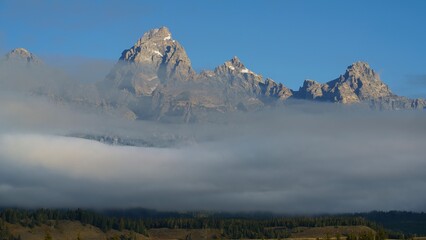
154,79
237,88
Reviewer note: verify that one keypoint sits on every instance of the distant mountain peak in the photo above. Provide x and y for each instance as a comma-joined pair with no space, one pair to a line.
359,83
158,59
157,34
153,46
234,66
21,51
22,55
235,60
362,70
359,64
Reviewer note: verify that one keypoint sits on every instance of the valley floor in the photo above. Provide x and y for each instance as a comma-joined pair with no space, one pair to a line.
74,230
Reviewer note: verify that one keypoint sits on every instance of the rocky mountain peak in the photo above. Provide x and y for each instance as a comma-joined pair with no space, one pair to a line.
236,61
309,83
311,89
157,34
152,47
362,71
22,55
235,64
363,81
359,66
359,83
234,67
153,60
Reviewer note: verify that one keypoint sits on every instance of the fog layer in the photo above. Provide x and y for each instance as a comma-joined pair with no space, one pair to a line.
301,158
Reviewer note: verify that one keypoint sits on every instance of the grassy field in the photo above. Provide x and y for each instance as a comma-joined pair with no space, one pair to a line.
164,233
73,230
331,231
69,230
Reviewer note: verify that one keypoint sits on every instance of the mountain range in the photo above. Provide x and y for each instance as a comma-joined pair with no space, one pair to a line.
154,80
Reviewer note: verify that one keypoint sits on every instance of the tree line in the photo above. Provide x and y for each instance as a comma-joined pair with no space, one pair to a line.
229,226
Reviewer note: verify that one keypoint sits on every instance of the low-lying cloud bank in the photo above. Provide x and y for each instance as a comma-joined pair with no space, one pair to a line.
301,158
304,158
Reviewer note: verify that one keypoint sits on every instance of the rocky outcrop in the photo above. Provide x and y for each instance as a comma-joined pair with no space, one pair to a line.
312,90
271,89
230,87
154,59
238,77
359,84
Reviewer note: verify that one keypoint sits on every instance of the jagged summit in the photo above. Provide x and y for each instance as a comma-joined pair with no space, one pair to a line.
359,83
22,55
363,71
235,61
234,66
162,34
359,65
158,58
363,81
154,44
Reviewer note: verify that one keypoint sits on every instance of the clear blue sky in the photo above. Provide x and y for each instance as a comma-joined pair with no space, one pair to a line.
288,41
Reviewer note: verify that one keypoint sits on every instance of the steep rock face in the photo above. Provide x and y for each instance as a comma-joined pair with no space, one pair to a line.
359,84
154,59
238,77
270,89
230,87
311,90
240,86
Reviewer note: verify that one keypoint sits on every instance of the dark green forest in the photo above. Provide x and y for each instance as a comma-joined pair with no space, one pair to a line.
402,225
409,223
